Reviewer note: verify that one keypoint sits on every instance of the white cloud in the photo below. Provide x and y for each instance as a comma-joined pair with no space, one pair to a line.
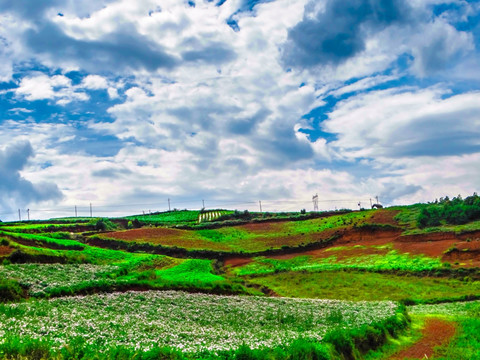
94,82
436,45
377,124
38,86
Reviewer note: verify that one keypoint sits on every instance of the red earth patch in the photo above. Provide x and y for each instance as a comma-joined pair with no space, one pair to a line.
5,250
384,217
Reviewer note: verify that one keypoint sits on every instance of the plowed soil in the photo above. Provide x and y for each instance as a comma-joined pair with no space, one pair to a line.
436,332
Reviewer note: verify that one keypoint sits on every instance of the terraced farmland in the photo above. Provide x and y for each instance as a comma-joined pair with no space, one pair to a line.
116,271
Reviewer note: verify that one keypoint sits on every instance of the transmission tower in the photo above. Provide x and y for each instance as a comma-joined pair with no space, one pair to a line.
315,202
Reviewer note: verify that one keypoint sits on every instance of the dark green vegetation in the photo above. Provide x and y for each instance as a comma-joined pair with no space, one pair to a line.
423,253
455,211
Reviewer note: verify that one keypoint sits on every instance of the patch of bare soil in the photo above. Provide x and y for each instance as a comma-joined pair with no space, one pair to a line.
464,253
436,332
428,248
237,261
5,250
144,233
353,240
368,237
262,227
384,217
164,236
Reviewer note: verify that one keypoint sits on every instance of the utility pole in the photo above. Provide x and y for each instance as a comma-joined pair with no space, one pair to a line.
360,205
91,214
376,197
260,203
75,210
168,204
370,202
203,204
28,214
19,216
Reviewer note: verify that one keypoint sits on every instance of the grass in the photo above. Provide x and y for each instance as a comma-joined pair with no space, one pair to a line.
391,260
393,345
357,286
43,227
178,217
44,240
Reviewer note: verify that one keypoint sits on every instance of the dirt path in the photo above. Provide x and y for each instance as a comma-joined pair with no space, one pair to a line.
435,333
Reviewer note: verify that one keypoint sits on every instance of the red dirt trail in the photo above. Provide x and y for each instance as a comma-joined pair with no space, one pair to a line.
436,332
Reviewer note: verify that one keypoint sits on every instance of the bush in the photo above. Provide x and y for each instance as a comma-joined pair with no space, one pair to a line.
456,211
10,290
104,224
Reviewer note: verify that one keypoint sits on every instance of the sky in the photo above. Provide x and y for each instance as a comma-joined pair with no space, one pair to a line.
124,104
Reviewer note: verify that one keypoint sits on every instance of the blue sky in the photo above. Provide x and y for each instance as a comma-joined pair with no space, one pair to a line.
124,104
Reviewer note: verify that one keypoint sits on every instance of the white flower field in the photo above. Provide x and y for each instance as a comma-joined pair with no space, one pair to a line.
185,321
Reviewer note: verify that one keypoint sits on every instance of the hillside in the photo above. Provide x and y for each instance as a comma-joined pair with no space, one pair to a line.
414,255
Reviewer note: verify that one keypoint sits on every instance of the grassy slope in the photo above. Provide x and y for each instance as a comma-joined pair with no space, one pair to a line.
365,286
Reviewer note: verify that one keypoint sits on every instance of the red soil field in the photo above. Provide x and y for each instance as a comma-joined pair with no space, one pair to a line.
433,245
263,227
436,332
167,237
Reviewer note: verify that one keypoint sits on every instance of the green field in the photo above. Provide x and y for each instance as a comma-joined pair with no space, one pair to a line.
351,285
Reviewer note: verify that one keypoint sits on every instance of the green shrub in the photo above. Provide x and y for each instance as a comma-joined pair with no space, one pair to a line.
10,290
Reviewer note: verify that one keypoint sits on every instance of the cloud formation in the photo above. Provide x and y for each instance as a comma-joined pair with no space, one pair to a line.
242,99
15,190
340,31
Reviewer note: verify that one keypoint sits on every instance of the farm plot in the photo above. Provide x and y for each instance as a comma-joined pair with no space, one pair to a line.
43,241
254,237
42,279
47,227
375,261
150,271
191,323
175,217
